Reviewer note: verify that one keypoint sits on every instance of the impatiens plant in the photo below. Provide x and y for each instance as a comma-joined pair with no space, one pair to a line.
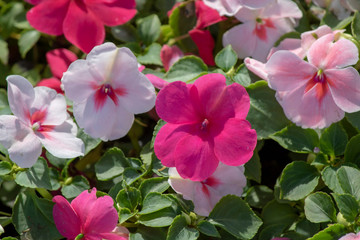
179,119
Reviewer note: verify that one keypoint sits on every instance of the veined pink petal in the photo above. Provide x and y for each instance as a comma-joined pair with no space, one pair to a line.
256,67
52,83
83,204
59,60
66,220
291,44
235,143
225,7
48,16
205,44
174,105
344,85
21,95
309,37
206,16
169,55
282,9
286,71
82,28
157,82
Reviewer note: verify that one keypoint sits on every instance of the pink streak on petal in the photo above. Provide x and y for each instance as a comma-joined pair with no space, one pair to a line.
38,116
205,44
66,220
59,61
48,16
52,83
261,29
105,91
169,55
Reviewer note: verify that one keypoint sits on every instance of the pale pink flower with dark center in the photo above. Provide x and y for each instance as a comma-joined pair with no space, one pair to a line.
261,28
205,194
81,21
40,119
205,125
316,93
87,216
107,90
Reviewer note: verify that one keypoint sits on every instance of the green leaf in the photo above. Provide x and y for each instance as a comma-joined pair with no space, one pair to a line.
154,202
5,168
179,230
128,198
352,150
38,176
4,104
355,26
159,184
157,127
329,176
125,33
147,233
149,28
233,215
27,41
131,175
319,208
349,179
77,186
208,229
265,109
111,164
297,139
354,119
278,213
298,179
125,214
8,17
332,232
347,205
333,140
186,69
226,58
306,228
242,76
4,52
258,196
90,143
151,55
271,231
183,19
34,216
161,218
253,168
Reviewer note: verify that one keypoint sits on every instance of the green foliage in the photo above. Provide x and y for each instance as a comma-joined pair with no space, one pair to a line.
333,140
347,205
332,232
226,58
111,164
73,188
320,208
27,41
352,151
149,29
180,231
349,179
186,69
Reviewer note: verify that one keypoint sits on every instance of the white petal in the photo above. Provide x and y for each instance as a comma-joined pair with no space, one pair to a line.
12,130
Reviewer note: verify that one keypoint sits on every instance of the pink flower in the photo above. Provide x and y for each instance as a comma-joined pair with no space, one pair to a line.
107,90
93,218
205,194
81,21
169,55
205,44
351,236
40,119
315,94
261,28
59,60
231,7
205,124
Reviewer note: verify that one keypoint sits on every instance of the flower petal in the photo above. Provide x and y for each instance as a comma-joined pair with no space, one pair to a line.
282,9
344,85
205,44
157,82
66,220
112,236
206,16
48,16
52,83
291,44
169,55
59,60
256,67
231,180
11,130
225,7
83,204
82,28
235,143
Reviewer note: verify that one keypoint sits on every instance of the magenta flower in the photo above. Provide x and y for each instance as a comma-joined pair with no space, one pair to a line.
315,94
59,60
205,194
90,217
107,90
40,119
81,21
205,124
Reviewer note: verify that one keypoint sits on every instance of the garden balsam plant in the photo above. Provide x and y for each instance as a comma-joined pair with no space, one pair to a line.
179,120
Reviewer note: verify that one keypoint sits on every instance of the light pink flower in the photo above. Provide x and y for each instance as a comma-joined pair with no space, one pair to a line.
351,236
205,194
205,124
81,21
169,55
59,60
40,119
261,28
94,218
340,8
231,7
107,90
315,94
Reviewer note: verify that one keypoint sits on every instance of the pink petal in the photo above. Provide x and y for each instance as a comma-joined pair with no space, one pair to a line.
102,217
83,204
169,55
308,38
112,236
59,60
82,28
66,220
231,180
52,83
112,13
256,67
174,105
157,82
326,54
205,44
206,16
48,16
256,3
235,142
291,44
225,7
21,95
344,85
286,71
246,14
167,140
282,9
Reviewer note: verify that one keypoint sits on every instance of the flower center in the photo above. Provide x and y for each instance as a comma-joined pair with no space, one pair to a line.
260,28
204,124
319,77
104,91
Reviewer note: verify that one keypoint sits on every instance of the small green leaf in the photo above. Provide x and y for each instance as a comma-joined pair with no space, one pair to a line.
4,104
77,186
332,232
5,168
149,233
159,184
319,208
242,76
253,168
226,58
131,175
125,33
149,29
258,196
347,205
154,202
329,176
4,52
271,231
352,151
278,213
125,214
354,119
349,179
186,69
180,231
239,219
333,140
161,218
111,164
208,229
151,55
298,179
355,26
297,139
128,198
90,143
27,41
